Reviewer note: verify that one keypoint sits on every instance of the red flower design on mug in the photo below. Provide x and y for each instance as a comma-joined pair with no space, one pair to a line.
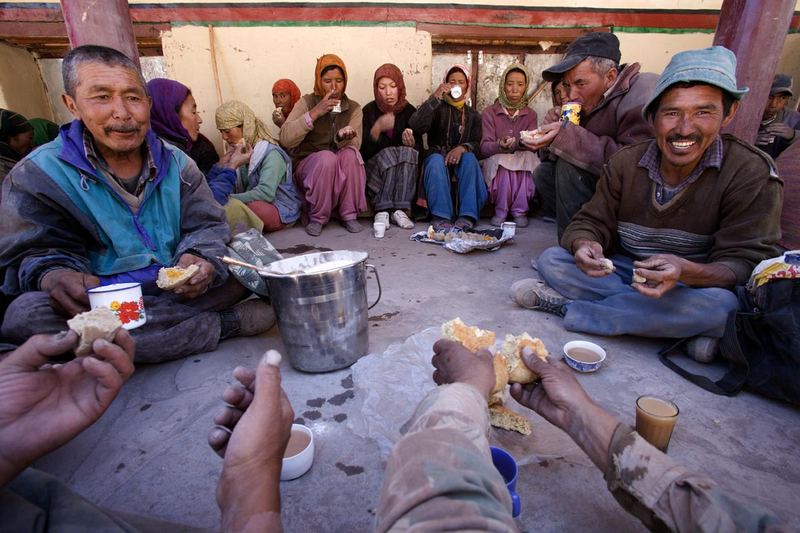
128,312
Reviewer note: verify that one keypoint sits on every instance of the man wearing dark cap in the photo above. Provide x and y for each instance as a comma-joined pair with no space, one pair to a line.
611,98
16,140
779,126
676,223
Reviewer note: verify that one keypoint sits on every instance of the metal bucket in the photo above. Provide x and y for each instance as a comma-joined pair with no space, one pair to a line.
320,300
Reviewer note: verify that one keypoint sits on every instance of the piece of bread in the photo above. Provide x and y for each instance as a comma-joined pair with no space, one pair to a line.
436,235
472,338
504,418
99,323
608,265
173,277
500,373
637,278
511,350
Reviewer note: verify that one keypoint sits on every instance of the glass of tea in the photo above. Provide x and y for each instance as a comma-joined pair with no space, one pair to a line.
655,420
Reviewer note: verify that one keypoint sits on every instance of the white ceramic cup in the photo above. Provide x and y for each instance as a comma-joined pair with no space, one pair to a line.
379,228
295,466
125,299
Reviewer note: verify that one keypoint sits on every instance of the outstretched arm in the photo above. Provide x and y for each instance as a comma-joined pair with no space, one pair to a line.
251,435
43,406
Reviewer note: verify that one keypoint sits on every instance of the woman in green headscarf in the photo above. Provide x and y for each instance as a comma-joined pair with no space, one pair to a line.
508,167
264,184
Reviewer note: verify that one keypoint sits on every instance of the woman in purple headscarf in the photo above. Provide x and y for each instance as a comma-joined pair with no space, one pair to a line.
174,118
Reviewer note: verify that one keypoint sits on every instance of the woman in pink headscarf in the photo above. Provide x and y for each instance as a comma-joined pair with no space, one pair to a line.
285,93
390,148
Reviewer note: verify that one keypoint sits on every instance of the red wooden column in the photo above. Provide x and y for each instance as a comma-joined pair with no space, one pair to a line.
107,23
755,31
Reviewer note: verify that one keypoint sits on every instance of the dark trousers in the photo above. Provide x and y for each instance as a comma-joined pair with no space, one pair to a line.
175,327
563,188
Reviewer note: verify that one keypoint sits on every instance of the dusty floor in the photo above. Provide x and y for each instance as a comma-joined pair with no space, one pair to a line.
148,454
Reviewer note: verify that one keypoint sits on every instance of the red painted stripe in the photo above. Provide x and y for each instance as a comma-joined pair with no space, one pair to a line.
388,14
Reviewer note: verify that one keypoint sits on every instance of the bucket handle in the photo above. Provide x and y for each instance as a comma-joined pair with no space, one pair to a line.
378,279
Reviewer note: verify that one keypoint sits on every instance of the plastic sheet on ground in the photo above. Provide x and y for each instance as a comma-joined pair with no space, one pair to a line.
458,241
389,386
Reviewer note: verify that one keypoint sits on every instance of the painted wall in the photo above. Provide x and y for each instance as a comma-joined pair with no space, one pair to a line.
21,86
250,59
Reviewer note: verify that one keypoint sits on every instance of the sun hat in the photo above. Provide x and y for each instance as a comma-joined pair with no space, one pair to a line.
596,44
715,65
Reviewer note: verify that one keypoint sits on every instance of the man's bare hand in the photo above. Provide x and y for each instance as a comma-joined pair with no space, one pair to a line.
67,290
43,406
782,130
200,281
553,115
548,133
662,273
589,258
456,364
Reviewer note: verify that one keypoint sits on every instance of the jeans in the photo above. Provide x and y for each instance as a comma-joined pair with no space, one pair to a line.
610,306
472,193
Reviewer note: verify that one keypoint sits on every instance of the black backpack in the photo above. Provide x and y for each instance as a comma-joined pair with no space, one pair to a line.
761,344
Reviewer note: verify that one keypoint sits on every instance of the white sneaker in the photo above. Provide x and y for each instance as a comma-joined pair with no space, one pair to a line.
382,217
401,219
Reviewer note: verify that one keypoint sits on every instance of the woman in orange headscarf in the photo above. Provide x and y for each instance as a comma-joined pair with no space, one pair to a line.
324,133
285,93
390,148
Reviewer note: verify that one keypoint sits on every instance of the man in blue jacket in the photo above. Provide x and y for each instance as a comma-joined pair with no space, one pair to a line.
109,202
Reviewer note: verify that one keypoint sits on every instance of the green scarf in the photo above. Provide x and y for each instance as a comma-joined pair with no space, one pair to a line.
526,95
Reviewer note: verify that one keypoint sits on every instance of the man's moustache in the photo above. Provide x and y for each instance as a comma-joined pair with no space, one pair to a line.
121,129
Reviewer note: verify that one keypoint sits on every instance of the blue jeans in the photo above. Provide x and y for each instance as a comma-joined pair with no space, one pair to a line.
472,192
610,306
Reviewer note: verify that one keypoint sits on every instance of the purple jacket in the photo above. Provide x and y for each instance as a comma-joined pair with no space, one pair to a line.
496,124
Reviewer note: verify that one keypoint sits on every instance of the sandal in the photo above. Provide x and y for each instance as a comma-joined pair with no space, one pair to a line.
463,224
441,224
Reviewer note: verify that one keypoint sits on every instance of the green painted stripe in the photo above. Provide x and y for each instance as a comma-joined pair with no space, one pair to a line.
647,29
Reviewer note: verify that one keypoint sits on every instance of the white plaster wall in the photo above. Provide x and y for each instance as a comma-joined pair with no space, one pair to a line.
250,59
21,86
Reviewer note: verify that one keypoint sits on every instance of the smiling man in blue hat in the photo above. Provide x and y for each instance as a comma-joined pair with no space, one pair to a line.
611,96
675,224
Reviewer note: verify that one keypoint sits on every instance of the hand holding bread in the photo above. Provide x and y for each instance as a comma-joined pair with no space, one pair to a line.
507,364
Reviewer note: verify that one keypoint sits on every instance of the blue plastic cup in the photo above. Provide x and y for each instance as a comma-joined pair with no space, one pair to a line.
507,467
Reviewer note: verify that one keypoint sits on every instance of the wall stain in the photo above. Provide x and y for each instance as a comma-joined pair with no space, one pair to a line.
341,417
312,415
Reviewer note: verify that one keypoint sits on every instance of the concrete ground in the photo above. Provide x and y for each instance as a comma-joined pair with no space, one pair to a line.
148,454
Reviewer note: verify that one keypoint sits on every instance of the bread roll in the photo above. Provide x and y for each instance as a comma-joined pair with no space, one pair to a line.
500,373
512,347
472,338
608,265
99,323
638,279
173,277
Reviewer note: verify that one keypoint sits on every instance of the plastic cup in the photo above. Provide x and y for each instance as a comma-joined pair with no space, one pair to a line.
507,466
379,229
125,299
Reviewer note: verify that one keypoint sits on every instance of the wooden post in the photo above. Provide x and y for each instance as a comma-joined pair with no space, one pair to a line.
106,23
755,31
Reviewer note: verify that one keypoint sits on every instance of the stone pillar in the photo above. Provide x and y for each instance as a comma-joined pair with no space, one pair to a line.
755,31
106,23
